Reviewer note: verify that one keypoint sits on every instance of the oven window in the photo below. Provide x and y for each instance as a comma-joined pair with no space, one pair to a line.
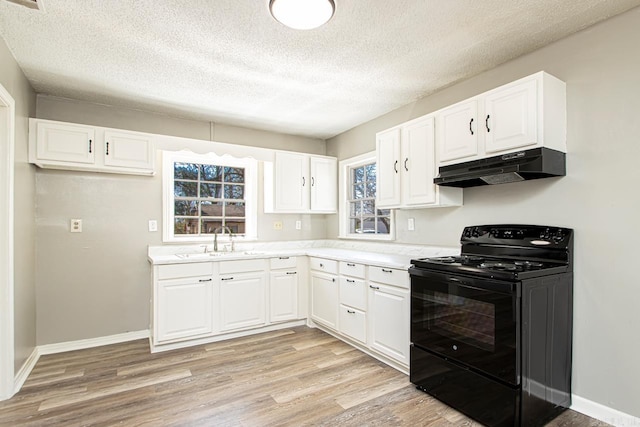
462,319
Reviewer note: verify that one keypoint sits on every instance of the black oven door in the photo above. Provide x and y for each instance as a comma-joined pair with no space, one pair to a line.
473,321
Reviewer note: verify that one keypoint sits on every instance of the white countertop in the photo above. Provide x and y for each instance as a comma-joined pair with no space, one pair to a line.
394,256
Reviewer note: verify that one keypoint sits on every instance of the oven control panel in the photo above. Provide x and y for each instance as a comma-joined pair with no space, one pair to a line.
520,235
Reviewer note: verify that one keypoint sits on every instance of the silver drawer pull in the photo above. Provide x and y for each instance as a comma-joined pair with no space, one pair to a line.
292,272
351,265
387,271
283,257
351,281
351,312
227,278
374,287
204,280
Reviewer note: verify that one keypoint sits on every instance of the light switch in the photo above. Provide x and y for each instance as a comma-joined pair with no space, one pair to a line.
75,226
153,225
411,224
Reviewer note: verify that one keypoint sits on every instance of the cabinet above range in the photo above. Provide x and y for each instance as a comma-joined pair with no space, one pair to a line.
527,113
70,146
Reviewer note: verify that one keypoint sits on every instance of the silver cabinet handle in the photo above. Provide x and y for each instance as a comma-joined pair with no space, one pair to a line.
374,287
283,257
387,271
321,265
227,278
292,272
333,280
351,281
107,153
89,146
350,265
204,280
351,311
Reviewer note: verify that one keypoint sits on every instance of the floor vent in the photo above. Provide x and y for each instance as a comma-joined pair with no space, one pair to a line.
31,4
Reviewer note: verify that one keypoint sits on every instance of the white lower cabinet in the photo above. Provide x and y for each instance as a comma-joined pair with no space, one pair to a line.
353,323
185,308
242,300
283,289
389,309
324,292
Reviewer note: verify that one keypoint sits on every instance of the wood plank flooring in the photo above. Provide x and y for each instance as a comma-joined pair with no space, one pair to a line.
293,377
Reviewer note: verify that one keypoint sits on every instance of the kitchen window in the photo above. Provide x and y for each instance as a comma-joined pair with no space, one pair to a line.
359,216
206,193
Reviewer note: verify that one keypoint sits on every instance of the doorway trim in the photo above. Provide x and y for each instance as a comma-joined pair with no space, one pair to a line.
7,142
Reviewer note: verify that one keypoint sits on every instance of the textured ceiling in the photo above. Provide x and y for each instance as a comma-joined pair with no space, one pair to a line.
229,61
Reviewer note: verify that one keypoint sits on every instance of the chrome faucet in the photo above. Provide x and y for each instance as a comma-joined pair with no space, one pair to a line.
215,237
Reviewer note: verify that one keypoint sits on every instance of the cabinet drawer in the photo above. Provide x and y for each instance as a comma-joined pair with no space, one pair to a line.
243,265
176,271
353,292
321,264
352,269
283,262
353,323
390,276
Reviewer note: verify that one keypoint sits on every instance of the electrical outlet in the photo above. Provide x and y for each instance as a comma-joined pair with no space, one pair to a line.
277,225
75,226
153,225
411,224
298,225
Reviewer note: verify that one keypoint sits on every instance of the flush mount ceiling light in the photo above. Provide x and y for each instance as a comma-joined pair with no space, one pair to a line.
302,14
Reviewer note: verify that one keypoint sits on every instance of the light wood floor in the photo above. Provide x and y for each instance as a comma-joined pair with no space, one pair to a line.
293,377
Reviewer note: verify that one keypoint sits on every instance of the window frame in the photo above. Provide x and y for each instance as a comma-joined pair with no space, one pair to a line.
343,202
169,158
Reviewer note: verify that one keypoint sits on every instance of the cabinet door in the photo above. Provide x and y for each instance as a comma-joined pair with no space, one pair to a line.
457,131
324,184
511,117
65,142
389,321
283,296
128,150
388,169
324,299
418,163
185,308
291,182
242,301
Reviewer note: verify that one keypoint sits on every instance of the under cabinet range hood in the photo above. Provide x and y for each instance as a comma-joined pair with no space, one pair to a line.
512,167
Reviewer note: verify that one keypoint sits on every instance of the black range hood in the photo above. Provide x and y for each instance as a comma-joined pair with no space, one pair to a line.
513,167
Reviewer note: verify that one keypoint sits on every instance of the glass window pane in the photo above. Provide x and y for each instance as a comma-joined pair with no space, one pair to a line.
234,209
384,212
236,226
211,190
186,208
358,191
234,191
368,207
233,174
185,171
355,208
369,225
209,225
371,172
185,189
357,175
371,189
211,173
211,208
384,225
355,225
185,226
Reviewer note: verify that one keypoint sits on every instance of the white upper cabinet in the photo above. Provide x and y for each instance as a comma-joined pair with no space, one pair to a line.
458,131
301,183
388,159
65,142
406,168
58,145
527,113
128,150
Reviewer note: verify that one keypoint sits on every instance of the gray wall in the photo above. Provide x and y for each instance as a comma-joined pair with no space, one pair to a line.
96,283
14,81
598,197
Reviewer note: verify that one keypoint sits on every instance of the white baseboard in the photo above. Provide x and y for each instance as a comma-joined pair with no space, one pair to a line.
603,413
91,342
26,369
